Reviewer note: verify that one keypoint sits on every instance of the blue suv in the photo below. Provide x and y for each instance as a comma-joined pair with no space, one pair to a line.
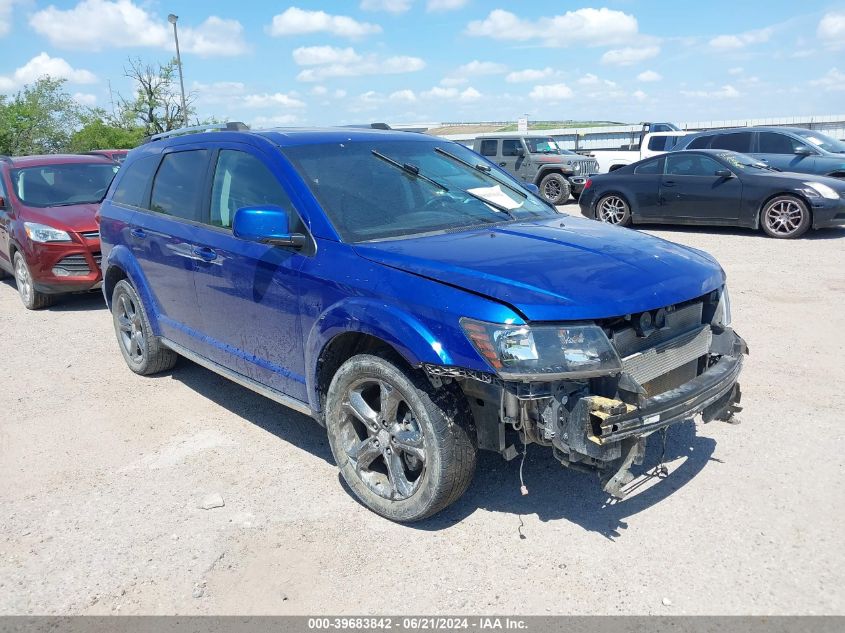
415,300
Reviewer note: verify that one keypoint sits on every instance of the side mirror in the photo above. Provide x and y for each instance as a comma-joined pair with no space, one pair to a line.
724,173
803,150
532,188
267,225
520,152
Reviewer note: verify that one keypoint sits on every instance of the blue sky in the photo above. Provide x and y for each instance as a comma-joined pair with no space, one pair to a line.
334,62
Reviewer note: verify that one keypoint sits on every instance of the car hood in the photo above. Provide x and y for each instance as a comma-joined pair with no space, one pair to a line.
558,269
77,217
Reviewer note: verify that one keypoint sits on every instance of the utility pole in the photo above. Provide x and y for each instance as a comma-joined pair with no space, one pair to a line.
172,19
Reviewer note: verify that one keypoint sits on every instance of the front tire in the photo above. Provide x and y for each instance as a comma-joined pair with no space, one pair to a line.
555,188
141,349
32,299
613,209
406,449
785,217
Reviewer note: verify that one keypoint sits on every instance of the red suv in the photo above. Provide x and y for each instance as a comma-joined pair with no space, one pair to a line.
49,237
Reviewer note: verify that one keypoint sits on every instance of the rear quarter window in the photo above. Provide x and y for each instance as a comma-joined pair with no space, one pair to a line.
133,181
702,142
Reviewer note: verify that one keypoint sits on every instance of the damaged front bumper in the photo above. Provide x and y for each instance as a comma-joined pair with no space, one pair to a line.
600,425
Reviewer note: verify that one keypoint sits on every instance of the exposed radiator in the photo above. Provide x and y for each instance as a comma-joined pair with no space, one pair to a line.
650,363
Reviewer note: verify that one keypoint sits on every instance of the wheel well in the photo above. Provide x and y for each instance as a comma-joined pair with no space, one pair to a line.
343,347
548,172
113,275
837,174
791,194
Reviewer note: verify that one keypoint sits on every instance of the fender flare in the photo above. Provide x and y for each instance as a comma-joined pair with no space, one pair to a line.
550,169
406,334
121,257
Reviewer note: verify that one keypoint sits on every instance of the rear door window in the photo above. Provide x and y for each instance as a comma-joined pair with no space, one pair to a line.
735,141
489,147
178,185
511,147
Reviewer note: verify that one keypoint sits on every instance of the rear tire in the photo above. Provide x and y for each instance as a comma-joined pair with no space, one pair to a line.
613,209
406,449
555,188
785,217
32,299
141,349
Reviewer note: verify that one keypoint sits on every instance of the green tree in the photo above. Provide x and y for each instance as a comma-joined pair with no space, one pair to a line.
40,119
101,132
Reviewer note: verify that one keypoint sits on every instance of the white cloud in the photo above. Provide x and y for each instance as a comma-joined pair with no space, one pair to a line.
454,81
296,21
42,65
529,74
589,80
725,92
832,81
736,70
366,65
272,100
273,121
639,95
218,92
469,95
107,24
476,67
391,6
405,96
6,7
445,5
85,99
630,55
317,55
590,27
319,91
452,94
551,92
649,75
741,40
831,29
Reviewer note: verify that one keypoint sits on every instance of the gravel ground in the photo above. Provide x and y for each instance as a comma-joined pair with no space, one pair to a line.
103,474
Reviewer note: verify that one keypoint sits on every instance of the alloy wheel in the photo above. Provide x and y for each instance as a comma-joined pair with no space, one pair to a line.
784,217
552,190
612,210
382,439
23,280
131,328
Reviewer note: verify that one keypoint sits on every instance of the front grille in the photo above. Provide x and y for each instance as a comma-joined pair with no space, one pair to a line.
90,235
590,167
76,265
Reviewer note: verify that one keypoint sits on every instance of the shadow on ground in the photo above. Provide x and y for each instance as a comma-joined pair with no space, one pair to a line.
555,492
76,302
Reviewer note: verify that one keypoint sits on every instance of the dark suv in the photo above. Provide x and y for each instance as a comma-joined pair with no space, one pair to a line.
49,238
793,149
414,300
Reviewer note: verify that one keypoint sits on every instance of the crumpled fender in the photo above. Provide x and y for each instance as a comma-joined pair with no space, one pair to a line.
404,332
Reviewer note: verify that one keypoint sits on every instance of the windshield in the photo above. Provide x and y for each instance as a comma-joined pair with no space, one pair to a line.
418,190
63,185
542,145
822,141
742,161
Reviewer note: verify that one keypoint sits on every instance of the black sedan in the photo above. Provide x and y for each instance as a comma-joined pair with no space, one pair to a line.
715,187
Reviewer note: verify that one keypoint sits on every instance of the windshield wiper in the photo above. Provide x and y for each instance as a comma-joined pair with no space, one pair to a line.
482,168
414,171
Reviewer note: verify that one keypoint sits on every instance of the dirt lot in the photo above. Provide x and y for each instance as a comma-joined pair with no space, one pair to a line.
102,473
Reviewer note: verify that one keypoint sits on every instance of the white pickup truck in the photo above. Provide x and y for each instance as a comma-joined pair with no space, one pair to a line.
651,144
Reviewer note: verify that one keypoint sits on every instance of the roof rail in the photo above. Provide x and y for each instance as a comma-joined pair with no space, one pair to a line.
234,126
5,159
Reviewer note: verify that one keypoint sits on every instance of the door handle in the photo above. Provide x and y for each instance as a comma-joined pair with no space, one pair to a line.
139,233
205,253
668,183
503,164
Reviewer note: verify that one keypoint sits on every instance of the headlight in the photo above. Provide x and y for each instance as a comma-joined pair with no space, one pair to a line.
823,190
545,352
723,309
43,233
